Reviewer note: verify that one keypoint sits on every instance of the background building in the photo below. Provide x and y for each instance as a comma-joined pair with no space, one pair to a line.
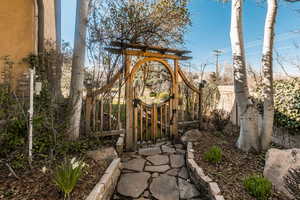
26,26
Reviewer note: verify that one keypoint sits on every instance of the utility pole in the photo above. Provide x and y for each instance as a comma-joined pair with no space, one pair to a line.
217,53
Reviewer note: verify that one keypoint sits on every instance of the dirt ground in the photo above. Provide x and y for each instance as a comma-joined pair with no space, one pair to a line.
233,168
36,185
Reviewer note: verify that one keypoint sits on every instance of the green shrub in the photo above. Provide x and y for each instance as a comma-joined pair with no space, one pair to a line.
214,155
67,175
220,119
258,186
286,102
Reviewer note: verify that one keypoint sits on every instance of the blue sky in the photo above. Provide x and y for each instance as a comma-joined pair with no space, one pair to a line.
210,30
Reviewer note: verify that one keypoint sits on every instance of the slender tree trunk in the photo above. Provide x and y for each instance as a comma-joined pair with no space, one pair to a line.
249,130
77,78
267,66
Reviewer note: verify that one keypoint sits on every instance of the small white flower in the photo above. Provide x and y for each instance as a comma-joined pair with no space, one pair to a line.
75,165
44,169
73,160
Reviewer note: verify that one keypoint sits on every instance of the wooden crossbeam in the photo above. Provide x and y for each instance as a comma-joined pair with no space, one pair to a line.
110,133
144,47
146,54
188,123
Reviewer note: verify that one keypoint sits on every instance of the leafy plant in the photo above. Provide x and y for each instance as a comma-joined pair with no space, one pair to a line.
286,103
67,175
214,155
220,119
258,186
292,183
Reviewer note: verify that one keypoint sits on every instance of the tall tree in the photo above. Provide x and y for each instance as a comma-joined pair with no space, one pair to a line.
76,89
248,115
267,66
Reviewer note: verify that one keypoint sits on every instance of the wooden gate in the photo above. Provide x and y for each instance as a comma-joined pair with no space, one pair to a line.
144,122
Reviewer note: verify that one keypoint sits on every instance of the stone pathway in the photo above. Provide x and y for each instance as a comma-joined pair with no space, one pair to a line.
157,172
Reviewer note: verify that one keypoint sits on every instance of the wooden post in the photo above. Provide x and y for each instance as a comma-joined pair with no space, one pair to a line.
154,122
141,123
193,106
175,102
129,109
88,112
161,121
166,119
94,115
146,132
119,105
109,113
101,115
135,139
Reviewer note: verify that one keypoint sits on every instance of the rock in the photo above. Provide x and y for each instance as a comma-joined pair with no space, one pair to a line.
104,154
155,175
167,149
177,161
164,188
278,163
173,172
135,164
158,159
150,151
160,168
133,184
191,136
187,190
183,173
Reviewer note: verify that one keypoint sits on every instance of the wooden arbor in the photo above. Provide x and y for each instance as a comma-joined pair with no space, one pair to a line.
136,117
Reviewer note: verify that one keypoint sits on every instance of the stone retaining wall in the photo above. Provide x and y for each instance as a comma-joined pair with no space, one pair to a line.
105,187
107,184
202,181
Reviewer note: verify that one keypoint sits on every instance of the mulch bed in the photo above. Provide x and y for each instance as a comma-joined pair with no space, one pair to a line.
233,168
35,185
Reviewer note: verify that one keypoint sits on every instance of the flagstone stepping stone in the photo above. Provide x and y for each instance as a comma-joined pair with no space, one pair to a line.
158,159
135,164
177,161
183,173
160,168
187,190
155,175
173,172
133,184
167,149
164,188
150,151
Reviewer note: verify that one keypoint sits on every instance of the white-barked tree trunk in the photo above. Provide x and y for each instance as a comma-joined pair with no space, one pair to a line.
267,67
248,138
76,89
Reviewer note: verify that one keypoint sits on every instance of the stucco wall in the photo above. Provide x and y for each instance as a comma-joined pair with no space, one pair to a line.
17,33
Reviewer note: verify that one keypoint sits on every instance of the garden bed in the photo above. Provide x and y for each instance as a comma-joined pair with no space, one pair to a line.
34,184
234,167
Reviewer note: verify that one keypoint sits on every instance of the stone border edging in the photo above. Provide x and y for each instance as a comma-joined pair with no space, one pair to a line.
104,189
200,179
